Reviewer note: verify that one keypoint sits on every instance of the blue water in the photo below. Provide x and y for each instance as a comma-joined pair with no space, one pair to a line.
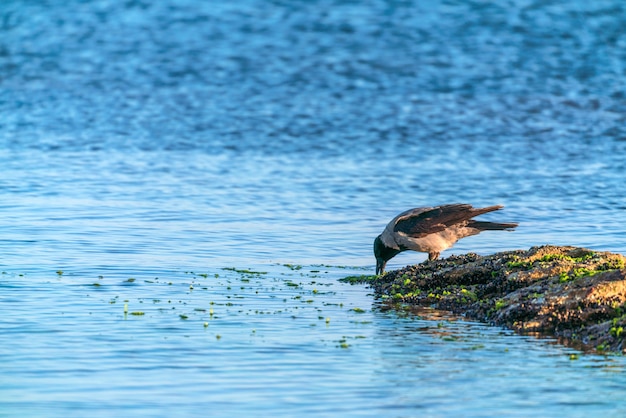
147,146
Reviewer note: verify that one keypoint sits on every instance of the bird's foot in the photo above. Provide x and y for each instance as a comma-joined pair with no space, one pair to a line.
433,256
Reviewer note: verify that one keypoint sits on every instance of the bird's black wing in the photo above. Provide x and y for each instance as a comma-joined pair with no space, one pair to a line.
420,222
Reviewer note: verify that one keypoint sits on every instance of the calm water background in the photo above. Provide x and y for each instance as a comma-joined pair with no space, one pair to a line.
146,146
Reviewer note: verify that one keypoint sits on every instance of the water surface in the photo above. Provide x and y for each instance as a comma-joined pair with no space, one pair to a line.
147,146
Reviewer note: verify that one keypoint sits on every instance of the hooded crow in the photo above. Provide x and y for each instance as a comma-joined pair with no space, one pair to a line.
431,230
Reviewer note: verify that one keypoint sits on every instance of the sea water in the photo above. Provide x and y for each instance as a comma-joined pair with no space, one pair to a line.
183,183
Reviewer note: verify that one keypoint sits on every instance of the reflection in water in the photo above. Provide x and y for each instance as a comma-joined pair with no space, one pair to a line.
466,368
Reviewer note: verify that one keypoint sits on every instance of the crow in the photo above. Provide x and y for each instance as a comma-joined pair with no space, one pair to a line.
431,230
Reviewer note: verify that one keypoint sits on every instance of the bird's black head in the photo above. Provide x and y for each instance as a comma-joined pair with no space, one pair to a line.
382,254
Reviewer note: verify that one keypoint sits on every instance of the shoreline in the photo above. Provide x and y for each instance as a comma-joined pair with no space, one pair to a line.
574,294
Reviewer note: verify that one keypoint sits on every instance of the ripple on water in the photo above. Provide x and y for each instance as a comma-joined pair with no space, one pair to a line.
147,140
284,340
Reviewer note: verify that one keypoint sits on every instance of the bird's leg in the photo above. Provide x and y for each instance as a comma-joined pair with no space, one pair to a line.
433,256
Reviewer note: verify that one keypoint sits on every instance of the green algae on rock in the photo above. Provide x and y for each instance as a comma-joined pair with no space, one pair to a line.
574,294
363,278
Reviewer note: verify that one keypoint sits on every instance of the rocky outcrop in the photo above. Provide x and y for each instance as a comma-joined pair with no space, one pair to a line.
574,294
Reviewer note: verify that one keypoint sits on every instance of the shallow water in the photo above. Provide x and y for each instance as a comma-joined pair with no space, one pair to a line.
272,344
166,141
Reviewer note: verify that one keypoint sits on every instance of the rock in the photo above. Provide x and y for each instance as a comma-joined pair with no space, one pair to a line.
574,294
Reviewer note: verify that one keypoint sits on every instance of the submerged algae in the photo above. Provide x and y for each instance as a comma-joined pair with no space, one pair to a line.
572,293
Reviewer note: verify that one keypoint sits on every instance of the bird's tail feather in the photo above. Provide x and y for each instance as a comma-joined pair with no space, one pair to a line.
490,226
480,211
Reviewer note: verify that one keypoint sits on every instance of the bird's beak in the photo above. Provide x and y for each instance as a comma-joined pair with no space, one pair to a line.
380,266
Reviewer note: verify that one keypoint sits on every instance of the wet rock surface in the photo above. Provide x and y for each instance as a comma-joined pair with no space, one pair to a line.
574,294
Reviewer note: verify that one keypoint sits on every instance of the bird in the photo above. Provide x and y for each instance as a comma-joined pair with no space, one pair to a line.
431,230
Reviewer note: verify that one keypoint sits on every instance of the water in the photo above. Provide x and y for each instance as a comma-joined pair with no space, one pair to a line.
147,146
